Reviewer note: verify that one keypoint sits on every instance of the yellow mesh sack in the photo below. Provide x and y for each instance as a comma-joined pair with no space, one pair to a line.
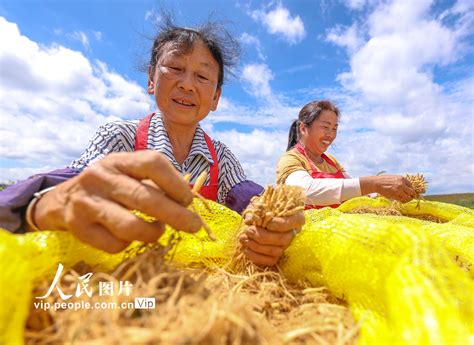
399,281
397,274
27,259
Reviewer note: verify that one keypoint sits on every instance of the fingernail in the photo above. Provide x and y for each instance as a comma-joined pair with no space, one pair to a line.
196,224
250,232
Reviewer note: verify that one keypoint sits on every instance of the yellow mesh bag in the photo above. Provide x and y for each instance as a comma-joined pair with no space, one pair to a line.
397,273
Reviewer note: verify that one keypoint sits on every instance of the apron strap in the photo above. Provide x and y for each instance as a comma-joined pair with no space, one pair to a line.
141,143
214,168
141,139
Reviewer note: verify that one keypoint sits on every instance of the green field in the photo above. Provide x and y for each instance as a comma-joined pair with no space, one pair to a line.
463,199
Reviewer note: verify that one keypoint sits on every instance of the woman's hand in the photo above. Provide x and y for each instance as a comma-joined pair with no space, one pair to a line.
390,186
95,205
264,246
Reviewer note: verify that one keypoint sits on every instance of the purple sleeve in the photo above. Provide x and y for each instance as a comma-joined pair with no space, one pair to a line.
239,196
15,198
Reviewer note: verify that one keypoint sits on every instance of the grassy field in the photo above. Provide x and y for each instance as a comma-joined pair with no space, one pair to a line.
463,199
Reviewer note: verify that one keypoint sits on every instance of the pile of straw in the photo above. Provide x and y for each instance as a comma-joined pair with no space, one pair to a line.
395,210
194,307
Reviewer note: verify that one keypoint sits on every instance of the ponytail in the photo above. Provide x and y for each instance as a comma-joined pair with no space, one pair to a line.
293,135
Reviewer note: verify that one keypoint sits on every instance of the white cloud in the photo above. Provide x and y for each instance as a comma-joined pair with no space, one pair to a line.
258,77
463,6
280,21
271,109
52,99
251,40
396,115
348,38
149,14
359,5
258,151
81,37
271,114
355,4
11,175
152,16
97,35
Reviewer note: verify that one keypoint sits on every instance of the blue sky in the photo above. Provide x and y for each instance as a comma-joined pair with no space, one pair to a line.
400,71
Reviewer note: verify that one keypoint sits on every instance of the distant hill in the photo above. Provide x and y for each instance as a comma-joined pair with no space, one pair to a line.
462,199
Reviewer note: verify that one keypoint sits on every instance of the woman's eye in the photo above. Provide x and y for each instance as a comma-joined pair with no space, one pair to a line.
203,78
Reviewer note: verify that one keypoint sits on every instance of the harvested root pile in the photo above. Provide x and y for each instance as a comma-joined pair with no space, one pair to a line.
395,210
193,307
419,184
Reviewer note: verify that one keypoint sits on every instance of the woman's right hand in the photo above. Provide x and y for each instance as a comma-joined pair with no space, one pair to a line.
95,205
390,186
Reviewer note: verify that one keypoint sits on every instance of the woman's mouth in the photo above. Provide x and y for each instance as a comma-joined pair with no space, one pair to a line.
183,102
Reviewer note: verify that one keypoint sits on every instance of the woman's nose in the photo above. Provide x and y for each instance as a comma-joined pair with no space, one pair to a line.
186,82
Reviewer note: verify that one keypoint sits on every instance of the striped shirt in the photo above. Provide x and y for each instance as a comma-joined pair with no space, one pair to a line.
119,136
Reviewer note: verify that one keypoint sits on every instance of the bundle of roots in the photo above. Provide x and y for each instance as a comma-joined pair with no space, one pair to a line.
279,201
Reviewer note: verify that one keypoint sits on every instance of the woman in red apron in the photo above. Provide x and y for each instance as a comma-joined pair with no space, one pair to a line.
325,182
185,77
209,191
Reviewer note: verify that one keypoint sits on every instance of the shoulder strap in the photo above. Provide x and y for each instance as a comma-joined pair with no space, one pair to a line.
214,168
141,139
301,150
330,161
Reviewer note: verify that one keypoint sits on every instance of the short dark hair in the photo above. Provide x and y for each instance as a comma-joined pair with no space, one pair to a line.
224,48
308,114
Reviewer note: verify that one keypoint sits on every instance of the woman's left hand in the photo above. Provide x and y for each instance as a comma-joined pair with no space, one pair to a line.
264,246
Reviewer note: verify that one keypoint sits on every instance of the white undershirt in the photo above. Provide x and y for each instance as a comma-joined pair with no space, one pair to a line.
325,191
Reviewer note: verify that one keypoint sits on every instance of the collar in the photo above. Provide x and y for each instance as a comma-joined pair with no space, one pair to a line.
199,146
160,141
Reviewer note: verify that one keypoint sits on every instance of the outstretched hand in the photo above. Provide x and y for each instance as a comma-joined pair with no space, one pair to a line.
95,205
394,187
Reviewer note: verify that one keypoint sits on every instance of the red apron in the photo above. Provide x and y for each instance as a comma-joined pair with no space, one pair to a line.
318,174
209,192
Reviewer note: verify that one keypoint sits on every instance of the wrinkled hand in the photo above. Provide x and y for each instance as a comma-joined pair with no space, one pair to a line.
95,205
395,187
264,246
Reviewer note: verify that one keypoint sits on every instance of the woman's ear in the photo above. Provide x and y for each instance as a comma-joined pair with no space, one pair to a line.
151,87
302,129
151,84
215,100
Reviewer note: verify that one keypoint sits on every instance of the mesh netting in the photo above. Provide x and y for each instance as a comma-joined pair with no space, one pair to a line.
407,280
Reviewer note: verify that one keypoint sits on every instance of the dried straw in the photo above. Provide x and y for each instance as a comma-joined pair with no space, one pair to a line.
237,304
195,307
